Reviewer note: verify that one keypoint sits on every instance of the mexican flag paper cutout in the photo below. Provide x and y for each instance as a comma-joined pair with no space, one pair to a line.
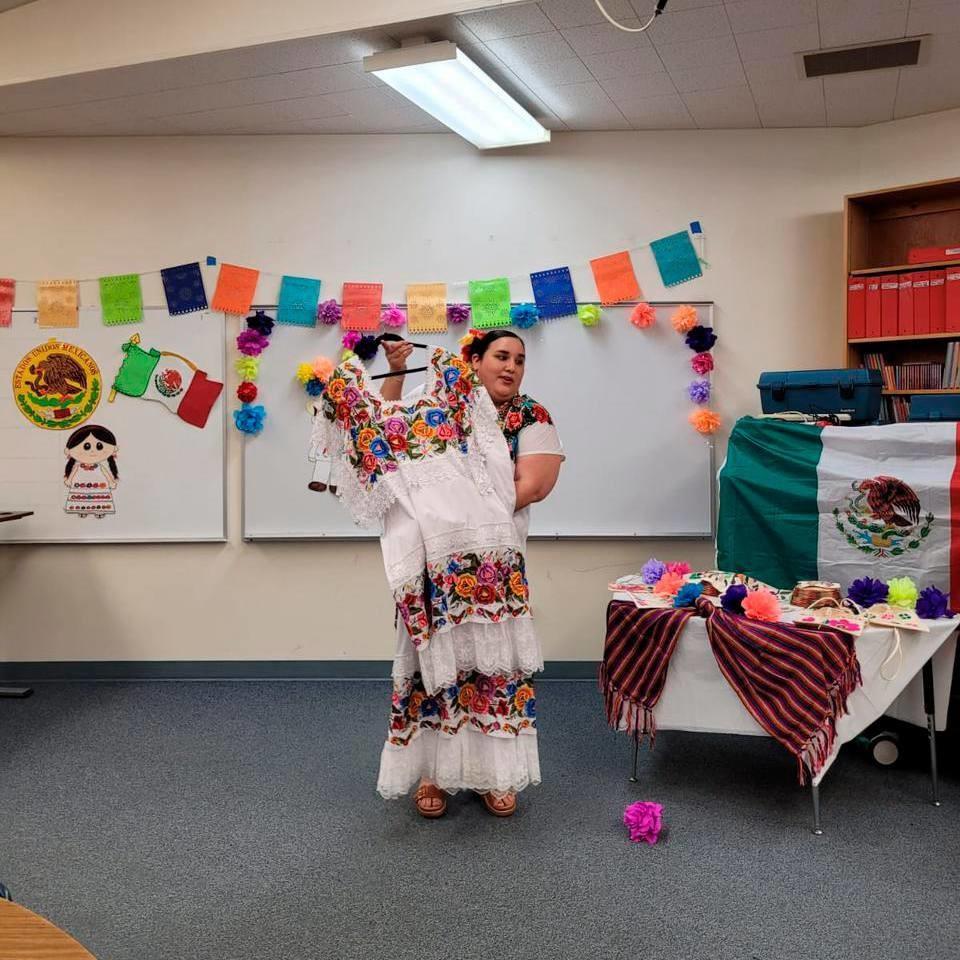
167,378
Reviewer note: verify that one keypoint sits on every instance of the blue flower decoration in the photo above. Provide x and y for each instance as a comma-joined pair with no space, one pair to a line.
524,315
450,376
380,448
314,387
435,417
429,708
866,591
249,418
511,689
530,709
687,595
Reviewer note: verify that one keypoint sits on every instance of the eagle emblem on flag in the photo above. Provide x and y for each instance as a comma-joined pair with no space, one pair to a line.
883,517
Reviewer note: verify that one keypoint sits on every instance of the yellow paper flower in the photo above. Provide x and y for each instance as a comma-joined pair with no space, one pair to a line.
247,367
903,592
589,314
347,355
304,372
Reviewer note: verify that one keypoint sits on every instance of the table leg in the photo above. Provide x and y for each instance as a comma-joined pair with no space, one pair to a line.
815,793
636,751
929,707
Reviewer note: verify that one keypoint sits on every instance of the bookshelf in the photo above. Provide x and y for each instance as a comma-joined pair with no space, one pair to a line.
880,229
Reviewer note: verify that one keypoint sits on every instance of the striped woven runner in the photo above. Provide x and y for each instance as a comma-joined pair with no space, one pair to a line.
793,680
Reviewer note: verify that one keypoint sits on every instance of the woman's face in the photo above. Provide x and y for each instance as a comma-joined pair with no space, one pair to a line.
91,451
501,368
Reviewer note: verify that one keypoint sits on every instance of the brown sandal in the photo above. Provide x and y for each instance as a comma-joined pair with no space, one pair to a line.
500,806
426,795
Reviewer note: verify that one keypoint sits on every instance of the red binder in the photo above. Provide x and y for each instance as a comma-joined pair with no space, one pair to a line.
921,302
905,304
889,289
856,308
872,306
938,303
952,299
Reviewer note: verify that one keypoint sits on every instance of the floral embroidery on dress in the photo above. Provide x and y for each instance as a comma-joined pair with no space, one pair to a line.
379,434
515,414
504,704
490,586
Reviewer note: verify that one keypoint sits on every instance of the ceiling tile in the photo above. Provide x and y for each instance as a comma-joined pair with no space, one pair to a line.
778,42
748,16
776,72
855,99
580,13
659,113
645,7
538,46
699,53
716,77
723,109
546,73
798,104
676,26
933,86
515,20
585,106
624,63
933,16
624,90
604,38
860,21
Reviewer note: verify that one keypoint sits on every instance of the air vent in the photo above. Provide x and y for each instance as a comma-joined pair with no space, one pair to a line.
872,56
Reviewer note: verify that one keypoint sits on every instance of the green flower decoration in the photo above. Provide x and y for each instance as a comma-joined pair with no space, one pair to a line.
589,314
903,592
248,368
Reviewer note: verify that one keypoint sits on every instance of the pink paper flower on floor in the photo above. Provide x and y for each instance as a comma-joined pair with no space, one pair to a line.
762,605
644,821
668,585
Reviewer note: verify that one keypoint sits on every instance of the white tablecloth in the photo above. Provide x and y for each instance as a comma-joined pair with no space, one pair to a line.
697,698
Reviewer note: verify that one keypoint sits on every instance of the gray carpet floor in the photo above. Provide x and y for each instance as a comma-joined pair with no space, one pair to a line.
227,821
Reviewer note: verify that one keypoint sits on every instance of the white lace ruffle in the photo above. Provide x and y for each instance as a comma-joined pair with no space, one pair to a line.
469,760
485,433
509,646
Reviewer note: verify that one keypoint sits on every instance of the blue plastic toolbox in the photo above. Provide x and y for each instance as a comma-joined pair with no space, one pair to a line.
934,407
855,393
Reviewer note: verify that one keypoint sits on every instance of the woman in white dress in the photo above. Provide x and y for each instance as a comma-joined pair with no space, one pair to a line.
498,358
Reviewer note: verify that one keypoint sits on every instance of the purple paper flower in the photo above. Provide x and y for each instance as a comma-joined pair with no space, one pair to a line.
458,312
932,604
329,312
700,339
699,391
733,597
261,323
866,591
644,821
251,343
652,571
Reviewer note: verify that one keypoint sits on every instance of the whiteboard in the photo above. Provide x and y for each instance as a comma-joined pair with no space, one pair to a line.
171,474
635,467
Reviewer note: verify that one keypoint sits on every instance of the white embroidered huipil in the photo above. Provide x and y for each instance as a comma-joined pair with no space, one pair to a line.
437,473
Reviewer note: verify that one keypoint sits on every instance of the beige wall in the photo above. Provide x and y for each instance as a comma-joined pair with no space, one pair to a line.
405,208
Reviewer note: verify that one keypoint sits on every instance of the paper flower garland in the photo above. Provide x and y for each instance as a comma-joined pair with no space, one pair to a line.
314,375
350,339
866,591
589,314
322,368
458,312
643,316
699,391
249,419
733,597
652,571
700,339
761,605
393,317
644,821
704,421
902,592
687,595
702,363
366,348
679,567
329,312
251,342
668,585
932,604
524,315
684,318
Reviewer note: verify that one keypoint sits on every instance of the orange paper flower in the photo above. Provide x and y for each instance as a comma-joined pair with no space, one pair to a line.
684,318
643,315
322,368
704,421
761,605
668,585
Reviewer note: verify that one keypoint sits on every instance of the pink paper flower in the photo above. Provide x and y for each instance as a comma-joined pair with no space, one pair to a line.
644,821
702,363
680,568
762,605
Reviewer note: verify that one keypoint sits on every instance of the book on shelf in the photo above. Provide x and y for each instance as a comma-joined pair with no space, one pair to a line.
919,374
895,410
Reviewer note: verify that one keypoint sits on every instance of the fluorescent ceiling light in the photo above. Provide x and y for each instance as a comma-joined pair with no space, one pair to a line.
440,79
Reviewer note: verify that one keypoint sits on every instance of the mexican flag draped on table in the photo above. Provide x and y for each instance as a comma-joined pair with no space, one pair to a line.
800,502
